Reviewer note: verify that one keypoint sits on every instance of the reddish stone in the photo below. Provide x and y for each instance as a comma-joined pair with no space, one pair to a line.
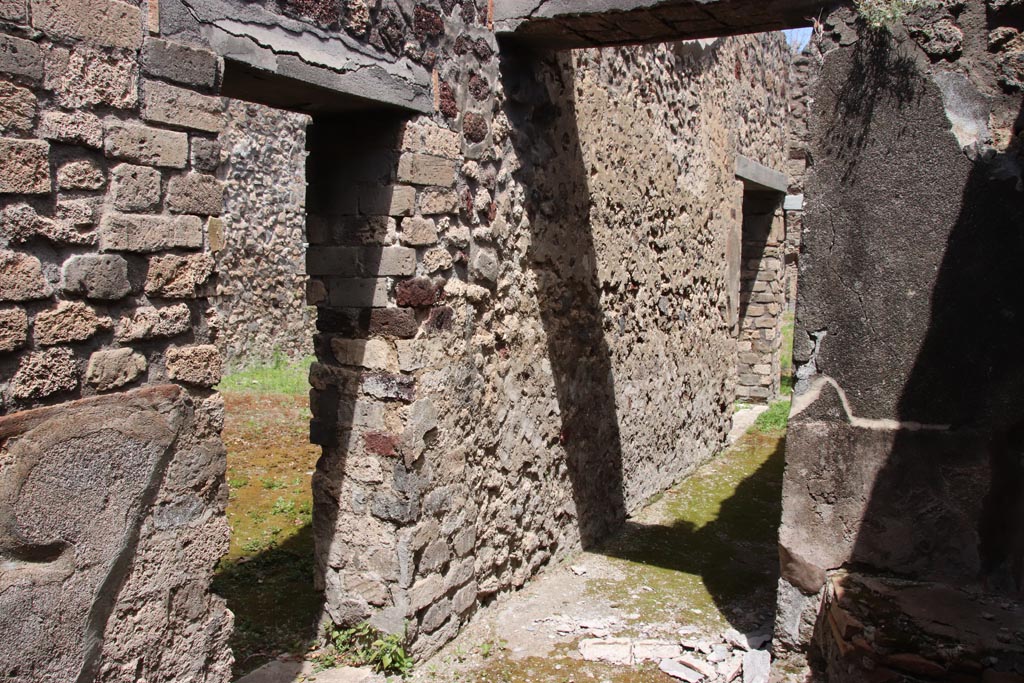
427,23
482,50
440,319
478,87
915,664
469,11
323,12
446,101
463,45
381,443
417,292
399,323
474,127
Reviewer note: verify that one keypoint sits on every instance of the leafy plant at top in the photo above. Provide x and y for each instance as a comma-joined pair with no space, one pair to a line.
283,506
878,13
363,645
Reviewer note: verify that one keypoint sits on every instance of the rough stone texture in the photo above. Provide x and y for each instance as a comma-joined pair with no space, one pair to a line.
71,321
80,175
110,23
195,193
113,369
76,127
178,277
151,323
24,166
135,188
43,373
179,63
901,448
21,277
146,145
163,103
72,578
20,57
17,108
86,77
96,277
199,365
262,264
13,328
131,232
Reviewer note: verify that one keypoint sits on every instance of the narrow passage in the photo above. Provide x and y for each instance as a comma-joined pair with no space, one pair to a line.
693,571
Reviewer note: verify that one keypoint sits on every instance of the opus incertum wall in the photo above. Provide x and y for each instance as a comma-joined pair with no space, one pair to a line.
516,346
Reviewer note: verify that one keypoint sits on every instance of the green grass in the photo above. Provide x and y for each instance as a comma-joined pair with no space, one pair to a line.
774,419
786,353
279,376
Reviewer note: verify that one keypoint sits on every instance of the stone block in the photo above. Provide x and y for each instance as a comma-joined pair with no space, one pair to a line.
205,154
24,166
357,292
200,365
418,292
418,232
436,615
434,201
45,373
390,200
80,128
148,233
426,591
174,106
145,145
178,277
437,260
179,63
423,169
20,57
465,598
21,277
13,328
375,354
13,10
96,276
71,321
483,265
215,234
87,77
17,108
151,323
135,188
80,175
397,323
112,369
110,23
426,137
389,386
394,261
195,193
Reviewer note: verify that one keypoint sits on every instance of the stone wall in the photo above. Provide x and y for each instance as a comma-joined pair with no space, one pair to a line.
904,440
261,258
802,76
113,496
524,323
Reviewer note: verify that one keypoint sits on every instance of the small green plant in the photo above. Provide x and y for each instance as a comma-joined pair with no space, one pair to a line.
878,13
237,482
487,647
271,484
363,645
774,419
283,506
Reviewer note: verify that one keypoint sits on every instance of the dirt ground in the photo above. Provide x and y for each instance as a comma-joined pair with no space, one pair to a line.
699,560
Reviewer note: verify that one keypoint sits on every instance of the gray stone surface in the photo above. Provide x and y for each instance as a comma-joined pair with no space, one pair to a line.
96,276
565,24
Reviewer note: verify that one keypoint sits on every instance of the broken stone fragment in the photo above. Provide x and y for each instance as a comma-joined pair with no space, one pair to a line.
112,369
756,666
200,365
71,321
680,671
44,373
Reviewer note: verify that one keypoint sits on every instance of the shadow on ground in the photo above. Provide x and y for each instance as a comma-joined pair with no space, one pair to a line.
722,538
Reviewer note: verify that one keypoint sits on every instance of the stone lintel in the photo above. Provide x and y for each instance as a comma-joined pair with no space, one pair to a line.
568,24
758,177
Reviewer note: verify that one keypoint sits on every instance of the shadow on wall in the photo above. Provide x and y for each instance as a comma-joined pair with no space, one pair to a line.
542,112
946,504
969,375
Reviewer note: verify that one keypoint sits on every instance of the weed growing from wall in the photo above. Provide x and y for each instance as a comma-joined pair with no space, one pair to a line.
879,13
